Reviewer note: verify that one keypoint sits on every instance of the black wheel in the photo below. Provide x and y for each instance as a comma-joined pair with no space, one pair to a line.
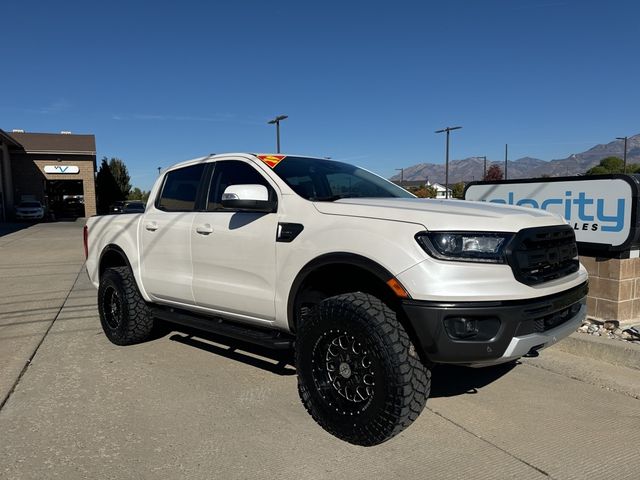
124,315
358,373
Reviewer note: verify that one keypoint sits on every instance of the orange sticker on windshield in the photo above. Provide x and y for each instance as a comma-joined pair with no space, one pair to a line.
271,160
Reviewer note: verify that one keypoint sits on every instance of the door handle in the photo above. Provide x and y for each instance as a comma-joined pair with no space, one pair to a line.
151,226
204,229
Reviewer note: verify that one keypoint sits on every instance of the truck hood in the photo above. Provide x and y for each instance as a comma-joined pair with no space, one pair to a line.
461,215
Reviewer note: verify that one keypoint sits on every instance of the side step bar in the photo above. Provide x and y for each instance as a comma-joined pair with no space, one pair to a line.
265,338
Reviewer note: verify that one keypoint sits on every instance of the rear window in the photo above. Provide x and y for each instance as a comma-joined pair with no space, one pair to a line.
180,189
30,205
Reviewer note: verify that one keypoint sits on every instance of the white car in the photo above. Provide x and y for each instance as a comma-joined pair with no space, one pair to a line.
370,285
29,210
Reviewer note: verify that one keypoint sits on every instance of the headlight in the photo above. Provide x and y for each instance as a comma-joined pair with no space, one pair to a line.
465,246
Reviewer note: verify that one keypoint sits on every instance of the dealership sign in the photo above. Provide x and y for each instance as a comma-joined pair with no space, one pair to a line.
601,209
61,169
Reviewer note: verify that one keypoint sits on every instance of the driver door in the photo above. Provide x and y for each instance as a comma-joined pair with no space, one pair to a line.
234,253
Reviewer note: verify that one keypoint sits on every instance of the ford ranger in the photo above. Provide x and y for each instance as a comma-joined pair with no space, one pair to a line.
369,285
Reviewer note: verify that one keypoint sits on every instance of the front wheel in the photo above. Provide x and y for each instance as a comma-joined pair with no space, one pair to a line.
125,317
358,373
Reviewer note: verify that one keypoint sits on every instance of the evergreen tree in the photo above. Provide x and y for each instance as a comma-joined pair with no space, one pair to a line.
107,189
121,175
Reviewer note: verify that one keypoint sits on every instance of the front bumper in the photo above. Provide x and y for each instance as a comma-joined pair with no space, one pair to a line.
507,330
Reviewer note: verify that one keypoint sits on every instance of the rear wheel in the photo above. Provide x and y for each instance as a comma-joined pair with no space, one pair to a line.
358,373
124,315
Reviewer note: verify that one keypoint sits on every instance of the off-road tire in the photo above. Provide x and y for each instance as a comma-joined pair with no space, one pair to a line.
372,404
124,315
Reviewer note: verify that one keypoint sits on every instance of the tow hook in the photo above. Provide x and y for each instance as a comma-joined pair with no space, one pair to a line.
533,353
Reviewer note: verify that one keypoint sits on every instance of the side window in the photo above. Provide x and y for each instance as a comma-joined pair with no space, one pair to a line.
180,188
232,172
303,186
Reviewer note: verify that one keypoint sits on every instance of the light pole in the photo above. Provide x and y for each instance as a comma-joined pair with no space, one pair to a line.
277,123
506,157
484,169
159,168
624,160
446,168
401,170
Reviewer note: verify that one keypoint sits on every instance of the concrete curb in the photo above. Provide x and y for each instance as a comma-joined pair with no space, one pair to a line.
616,352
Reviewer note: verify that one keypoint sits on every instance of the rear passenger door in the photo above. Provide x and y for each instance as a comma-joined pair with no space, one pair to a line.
234,253
165,235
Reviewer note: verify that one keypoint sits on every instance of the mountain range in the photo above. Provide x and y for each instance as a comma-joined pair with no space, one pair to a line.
469,169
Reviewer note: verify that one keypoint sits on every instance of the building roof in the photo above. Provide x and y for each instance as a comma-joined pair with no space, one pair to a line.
55,143
438,186
6,138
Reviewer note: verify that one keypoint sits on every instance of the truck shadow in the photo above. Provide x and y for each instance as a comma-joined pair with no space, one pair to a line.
446,381
452,380
280,362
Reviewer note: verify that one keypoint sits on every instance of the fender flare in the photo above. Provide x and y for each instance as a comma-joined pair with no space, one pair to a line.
336,258
116,249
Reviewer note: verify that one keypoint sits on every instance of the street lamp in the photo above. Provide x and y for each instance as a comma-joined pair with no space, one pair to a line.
446,168
277,123
506,158
484,174
401,170
624,161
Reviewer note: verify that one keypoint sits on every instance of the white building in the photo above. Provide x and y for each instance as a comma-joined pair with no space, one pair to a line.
441,191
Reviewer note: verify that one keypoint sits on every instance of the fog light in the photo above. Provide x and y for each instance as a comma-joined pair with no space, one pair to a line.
460,327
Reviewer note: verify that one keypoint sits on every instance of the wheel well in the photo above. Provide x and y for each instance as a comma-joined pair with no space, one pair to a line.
112,256
333,279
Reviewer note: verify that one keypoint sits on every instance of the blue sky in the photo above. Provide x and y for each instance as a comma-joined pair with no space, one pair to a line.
364,81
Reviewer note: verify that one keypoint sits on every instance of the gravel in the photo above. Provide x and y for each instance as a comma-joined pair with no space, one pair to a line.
610,329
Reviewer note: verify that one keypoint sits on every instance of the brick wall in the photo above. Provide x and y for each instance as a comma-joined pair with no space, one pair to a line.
29,177
614,288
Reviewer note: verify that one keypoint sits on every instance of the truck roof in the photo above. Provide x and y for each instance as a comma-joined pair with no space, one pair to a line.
232,154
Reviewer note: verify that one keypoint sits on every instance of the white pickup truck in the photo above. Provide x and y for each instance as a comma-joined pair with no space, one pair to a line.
369,284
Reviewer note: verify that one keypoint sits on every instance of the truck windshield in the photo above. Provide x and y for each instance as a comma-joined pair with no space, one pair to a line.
322,180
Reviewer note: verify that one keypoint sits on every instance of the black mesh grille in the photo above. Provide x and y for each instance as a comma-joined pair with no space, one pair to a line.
549,321
538,255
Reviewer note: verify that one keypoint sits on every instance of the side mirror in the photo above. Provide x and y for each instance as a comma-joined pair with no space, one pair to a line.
250,198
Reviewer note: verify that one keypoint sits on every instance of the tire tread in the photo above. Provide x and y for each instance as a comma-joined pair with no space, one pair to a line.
409,379
138,321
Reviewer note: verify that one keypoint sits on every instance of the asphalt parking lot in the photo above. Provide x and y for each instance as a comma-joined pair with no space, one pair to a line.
75,406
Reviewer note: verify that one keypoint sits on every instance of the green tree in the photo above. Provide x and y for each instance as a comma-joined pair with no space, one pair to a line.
608,165
137,194
598,170
121,175
494,172
457,190
107,189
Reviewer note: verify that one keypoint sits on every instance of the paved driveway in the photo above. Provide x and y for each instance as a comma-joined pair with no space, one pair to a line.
188,407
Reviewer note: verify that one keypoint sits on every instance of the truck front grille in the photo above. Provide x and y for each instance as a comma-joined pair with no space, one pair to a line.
542,254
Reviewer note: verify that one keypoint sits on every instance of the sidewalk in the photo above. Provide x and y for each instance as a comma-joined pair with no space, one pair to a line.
39,264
